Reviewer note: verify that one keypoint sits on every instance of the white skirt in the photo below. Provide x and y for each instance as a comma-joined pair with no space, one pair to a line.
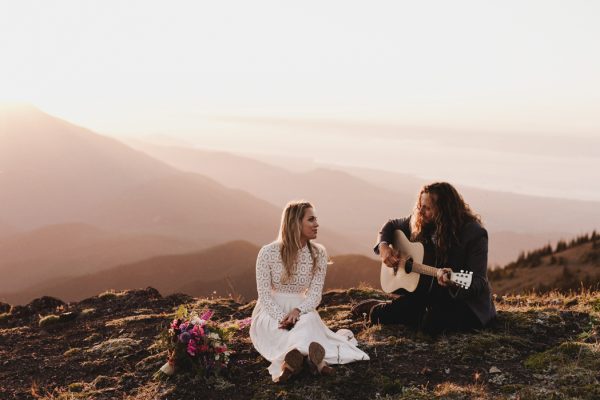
273,343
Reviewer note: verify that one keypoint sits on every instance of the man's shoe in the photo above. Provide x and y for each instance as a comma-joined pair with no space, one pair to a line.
363,309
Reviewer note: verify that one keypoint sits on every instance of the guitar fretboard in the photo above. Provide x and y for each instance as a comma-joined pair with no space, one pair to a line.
421,268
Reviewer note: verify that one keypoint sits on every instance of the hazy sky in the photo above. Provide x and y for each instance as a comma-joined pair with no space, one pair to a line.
441,74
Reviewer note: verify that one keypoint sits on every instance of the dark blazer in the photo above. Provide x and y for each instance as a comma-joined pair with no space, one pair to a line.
470,254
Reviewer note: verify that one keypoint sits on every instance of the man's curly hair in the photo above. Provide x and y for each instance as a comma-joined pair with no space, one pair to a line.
452,213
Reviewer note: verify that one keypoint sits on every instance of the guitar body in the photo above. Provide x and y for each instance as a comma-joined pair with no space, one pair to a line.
400,279
411,258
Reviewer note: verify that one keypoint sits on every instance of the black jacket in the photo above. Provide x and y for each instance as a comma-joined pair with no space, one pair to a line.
470,255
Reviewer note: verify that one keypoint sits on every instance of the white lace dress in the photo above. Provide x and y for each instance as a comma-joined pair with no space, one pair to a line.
303,291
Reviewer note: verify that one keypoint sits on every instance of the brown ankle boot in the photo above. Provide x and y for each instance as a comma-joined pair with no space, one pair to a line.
316,354
292,365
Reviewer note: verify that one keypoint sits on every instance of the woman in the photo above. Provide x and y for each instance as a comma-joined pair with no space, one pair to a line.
290,273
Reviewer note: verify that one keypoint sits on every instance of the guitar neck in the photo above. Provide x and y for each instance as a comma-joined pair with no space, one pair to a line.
424,269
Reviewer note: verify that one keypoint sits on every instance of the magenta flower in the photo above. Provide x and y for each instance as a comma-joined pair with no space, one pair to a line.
207,315
191,348
197,331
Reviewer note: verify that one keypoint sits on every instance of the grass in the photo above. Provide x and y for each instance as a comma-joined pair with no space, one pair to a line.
49,320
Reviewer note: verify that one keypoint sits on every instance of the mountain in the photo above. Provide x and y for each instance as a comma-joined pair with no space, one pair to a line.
352,270
168,273
7,230
345,204
29,258
109,347
54,172
567,267
357,201
223,270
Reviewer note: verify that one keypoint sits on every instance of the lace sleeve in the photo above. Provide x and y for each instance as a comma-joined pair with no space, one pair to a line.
263,286
315,290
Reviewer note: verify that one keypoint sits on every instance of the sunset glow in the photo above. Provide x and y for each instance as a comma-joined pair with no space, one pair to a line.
147,69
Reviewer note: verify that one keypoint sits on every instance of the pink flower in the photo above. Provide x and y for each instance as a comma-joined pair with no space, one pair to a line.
191,348
207,315
242,323
175,324
197,331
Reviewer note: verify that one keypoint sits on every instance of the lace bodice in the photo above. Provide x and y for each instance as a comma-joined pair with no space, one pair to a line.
270,272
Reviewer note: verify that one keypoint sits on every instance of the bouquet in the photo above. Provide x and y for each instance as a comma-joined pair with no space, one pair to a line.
196,344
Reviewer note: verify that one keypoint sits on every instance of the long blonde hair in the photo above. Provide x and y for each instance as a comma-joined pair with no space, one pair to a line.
289,236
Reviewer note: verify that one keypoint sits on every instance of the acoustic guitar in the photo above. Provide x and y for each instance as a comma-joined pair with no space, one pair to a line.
407,272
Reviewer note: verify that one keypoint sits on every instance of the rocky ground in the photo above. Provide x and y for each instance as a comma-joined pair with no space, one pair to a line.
104,347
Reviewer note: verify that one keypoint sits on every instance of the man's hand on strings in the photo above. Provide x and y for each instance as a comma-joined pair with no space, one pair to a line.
388,256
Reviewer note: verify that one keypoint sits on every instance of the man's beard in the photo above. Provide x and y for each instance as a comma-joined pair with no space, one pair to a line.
428,227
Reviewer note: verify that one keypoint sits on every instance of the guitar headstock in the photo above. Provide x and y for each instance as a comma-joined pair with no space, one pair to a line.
462,278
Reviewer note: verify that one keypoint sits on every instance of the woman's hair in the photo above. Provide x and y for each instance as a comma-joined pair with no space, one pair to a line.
452,213
289,236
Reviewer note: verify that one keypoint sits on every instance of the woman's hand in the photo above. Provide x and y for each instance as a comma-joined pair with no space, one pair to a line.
443,276
290,319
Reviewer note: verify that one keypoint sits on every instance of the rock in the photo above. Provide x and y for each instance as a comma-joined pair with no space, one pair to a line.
495,370
4,307
68,316
498,379
45,303
102,382
115,347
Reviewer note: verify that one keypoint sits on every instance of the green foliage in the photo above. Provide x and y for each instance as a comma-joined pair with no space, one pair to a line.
76,387
566,357
388,385
182,312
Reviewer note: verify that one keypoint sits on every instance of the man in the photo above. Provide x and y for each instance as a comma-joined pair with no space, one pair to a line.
454,240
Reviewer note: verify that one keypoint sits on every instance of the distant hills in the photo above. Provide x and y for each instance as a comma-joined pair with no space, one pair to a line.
75,249
223,270
53,174
75,203
358,201
200,273
229,270
567,266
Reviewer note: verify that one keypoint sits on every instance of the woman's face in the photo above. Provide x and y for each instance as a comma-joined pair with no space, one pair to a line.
309,225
